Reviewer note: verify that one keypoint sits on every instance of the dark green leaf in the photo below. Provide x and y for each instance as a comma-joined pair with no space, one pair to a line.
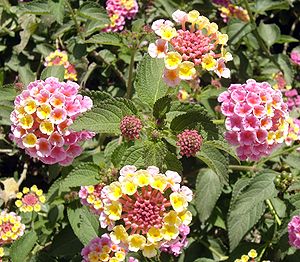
94,11
110,38
237,29
57,9
154,153
57,71
36,7
134,155
97,96
162,107
270,33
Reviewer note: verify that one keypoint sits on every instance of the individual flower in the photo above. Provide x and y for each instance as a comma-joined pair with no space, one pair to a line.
118,11
148,209
294,232
11,227
256,118
292,98
90,196
103,249
42,120
131,127
61,58
295,56
190,142
293,131
200,45
30,200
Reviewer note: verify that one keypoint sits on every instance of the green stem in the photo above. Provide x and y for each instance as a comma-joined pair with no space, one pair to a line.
221,257
74,19
218,121
244,168
130,74
263,251
258,37
273,211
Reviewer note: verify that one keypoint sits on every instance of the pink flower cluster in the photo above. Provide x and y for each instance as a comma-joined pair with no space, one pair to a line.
293,99
189,142
90,196
176,246
294,232
295,57
103,249
255,118
42,117
131,127
119,11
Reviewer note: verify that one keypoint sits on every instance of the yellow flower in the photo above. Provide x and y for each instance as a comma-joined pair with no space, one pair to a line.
119,234
244,258
170,232
159,182
26,121
115,191
193,16
128,187
113,210
43,111
178,202
136,242
172,60
30,107
154,235
29,140
167,32
46,127
171,218
142,178
187,70
186,217
208,62
202,22
222,39
120,256
252,253
150,250
211,28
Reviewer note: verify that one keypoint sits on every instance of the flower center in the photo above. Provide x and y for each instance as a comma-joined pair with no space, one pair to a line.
30,199
144,210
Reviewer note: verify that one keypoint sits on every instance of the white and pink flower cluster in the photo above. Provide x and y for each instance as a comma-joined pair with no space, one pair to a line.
294,232
255,118
118,12
42,117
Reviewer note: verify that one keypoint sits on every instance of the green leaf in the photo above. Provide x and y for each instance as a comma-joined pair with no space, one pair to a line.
249,206
286,39
134,155
8,93
236,30
106,116
270,33
149,84
265,5
285,64
83,175
26,74
108,38
224,146
57,9
94,11
173,163
215,160
36,7
57,71
154,153
84,224
208,190
23,246
97,96
162,107
118,153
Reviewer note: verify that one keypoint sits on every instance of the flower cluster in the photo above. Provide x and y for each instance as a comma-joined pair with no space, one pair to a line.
103,249
295,56
189,142
90,196
131,127
252,254
234,11
118,11
147,210
294,232
30,199
200,45
255,118
280,82
43,113
61,58
11,227
293,99
293,131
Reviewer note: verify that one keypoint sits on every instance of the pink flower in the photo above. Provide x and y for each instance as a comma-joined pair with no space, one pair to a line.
189,142
294,232
159,49
131,127
295,56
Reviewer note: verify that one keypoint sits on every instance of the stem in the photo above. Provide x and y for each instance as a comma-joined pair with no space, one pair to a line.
221,257
244,168
218,121
263,251
74,19
23,174
130,74
258,37
273,211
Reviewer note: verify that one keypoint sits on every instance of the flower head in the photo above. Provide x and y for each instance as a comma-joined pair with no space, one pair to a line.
256,118
103,249
189,142
294,232
11,227
42,117
30,200
295,56
147,208
131,127
90,196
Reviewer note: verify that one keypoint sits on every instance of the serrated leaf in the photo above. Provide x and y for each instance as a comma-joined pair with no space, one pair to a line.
173,163
224,146
26,74
237,29
22,247
108,38
162,107
94,11
83,175
57,9
149,84
106,116
109,149
8,93
118,153
85,225
215,160
57,71
36,7
208,190
97,96
249,206
154,153
134,155
270,33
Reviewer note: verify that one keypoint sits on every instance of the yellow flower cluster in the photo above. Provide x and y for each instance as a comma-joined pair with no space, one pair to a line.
11,227
30,200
